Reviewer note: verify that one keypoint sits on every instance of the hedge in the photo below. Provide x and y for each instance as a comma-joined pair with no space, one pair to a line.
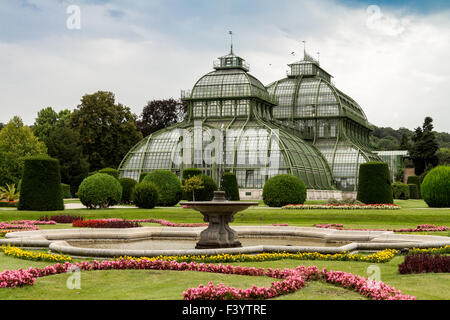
145,195
111,171
100,190
284,189
400,191
40,189
128,185
142,176
168,185
415,180
206,193
229,184
436,187
413,191
65,190
374,185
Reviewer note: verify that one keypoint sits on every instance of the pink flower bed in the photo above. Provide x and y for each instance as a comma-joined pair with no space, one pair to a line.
293,279
419,228
33,222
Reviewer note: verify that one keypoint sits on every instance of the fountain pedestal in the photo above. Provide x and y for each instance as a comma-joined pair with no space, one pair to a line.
218,212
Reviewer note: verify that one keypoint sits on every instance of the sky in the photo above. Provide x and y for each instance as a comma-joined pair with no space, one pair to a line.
392,57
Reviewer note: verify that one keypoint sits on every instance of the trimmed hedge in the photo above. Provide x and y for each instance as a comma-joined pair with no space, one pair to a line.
415,180
284,189
400,191
229,184
206,193
413,191
145,195
40,189
436,187
65,190
128,185
168,185
100,190
111,171
374,185
142,176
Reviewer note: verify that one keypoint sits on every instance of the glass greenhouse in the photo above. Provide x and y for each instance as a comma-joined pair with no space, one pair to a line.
231,126
326,118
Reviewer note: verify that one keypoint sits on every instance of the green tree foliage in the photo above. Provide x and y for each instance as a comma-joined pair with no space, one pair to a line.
107,130
65,190
424,147
48,120
111,171
436,187
100,191
11,167
20,140
374,185
443,155
400,191
284,189
160,114
193,184
168,185
63,144
41,185
229,184
413,191
203,194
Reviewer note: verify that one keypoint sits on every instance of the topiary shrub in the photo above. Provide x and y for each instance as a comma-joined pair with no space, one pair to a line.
229,184
168,185
100,190
436,187
284,189
415,180
145,195
65,190
206,193
128,185
111,171
142,176
413,191
400,191
40,189
374,185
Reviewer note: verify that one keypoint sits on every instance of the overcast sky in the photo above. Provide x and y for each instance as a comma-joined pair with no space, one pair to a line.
392,57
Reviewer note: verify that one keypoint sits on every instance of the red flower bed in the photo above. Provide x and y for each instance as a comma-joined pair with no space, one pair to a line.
62,218
419,228
424,263
105,223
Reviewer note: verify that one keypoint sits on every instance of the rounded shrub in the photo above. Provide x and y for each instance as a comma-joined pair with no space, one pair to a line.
168,185
229,184
189,173
142,176
284,189
400,191
206,193
436,187
65,190
415,180
145,195
111,171
40,189
128,185
374,185
100,190
413,191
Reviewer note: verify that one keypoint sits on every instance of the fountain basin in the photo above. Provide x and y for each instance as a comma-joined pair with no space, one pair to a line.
266,239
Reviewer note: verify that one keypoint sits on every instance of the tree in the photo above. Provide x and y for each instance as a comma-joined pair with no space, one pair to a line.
443,155
107,130
424,147
11,167
63,144
404,142
1,125
19,139
48,120
193,184
159,114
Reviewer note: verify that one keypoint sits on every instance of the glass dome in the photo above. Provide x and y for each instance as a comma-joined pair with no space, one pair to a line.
229,127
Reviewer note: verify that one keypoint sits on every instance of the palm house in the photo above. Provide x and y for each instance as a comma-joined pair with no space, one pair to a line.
327,119
235,124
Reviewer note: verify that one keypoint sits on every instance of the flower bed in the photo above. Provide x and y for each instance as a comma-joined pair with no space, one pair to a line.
424,263
166,223
419,228
33,222
62,218
293,279
31,255
105,223
342,206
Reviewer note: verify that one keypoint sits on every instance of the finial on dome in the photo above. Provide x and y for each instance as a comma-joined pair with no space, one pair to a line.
231,36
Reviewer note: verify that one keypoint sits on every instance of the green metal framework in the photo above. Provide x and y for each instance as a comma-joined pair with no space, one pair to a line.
326,117
230,112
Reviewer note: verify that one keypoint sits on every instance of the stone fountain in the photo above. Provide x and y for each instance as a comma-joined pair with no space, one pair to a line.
218,212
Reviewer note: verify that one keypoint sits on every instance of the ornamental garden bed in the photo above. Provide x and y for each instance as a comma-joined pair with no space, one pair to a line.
342,206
